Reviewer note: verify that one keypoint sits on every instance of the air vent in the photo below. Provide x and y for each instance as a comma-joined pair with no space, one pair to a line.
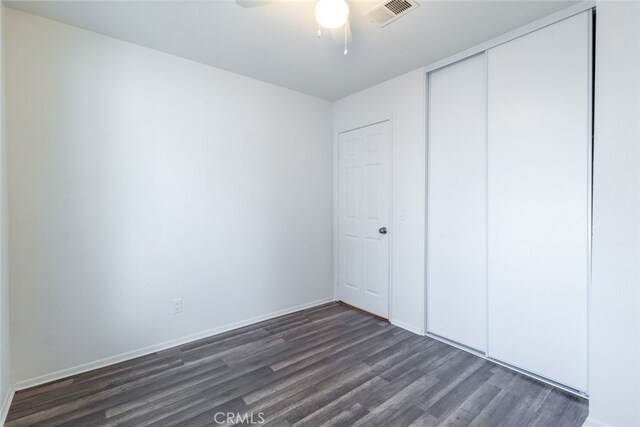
389,11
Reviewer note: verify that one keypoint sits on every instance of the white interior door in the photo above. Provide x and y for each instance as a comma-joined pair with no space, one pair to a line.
363,229
457,203
539,200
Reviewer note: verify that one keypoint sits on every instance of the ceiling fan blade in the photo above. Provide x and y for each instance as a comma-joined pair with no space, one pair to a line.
337,34
254,3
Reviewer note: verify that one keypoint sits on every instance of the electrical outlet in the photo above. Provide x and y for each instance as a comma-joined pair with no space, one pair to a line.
177,306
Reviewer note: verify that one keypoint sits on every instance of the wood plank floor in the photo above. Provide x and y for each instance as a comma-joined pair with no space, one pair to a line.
328,365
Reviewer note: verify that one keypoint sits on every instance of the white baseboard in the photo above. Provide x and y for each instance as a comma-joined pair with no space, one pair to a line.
53,376
592,422
6,403
406,326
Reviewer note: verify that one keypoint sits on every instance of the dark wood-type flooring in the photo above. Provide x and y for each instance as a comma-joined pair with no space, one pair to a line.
328,365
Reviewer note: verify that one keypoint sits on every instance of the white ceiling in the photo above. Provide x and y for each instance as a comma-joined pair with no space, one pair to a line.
278,43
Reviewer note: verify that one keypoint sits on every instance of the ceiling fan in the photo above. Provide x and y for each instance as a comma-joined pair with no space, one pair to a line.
331,14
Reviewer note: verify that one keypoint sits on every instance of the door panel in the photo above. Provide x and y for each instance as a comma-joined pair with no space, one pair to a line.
364,158
374,251
351,278
457,203
539,198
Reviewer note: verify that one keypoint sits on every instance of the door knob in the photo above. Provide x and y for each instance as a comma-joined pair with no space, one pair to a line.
383,230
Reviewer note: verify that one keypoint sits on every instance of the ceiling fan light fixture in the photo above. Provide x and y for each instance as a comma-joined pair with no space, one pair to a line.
332,13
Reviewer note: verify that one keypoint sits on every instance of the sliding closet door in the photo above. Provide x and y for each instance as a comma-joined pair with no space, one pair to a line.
457,197
539,195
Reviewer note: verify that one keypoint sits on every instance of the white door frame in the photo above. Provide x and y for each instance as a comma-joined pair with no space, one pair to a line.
336,205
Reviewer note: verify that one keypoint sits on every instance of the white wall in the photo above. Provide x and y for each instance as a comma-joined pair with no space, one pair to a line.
5,351
614,373
402,99
137,177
